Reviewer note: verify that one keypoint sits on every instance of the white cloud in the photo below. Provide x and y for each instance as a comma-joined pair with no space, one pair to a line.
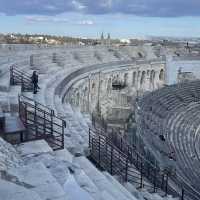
107,3
57,19
86,22
50,7
78,5
172,8
46,19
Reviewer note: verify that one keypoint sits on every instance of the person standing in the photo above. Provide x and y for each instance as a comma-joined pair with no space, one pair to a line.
34,79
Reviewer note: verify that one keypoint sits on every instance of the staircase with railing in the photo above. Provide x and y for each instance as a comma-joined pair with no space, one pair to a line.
116,156
41,123
18,77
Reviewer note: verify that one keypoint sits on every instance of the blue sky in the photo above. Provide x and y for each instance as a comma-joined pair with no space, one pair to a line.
88,18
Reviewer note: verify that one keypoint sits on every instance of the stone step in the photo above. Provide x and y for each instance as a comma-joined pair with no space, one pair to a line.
87,184
119,186
81,119
33,148
4,101
74,191
136,193
38,179
58,165
5,83
13,95
9,99
99,179
11,191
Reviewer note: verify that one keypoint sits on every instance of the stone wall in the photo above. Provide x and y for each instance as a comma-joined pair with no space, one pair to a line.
94,93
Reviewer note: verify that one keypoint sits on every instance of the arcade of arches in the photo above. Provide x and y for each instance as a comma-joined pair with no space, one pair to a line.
96,95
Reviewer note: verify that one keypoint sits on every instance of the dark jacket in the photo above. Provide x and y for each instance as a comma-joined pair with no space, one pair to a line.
34,78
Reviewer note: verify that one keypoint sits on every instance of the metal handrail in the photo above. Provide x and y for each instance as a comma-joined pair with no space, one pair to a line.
131,148
125,161
176,189
42,122
20,77
14,69
34,102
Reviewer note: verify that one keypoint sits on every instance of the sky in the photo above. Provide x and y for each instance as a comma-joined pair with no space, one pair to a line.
89,18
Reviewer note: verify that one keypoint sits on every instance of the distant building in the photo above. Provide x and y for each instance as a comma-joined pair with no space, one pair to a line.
108,40
105,41
125,41
180,69
102,40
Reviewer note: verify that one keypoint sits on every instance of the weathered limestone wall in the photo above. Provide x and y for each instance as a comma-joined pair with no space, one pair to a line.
95,93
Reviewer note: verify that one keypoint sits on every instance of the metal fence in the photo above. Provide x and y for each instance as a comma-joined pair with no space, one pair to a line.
18,77
117,157
41,123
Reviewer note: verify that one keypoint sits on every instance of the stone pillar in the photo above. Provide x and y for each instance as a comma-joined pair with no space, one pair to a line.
148,87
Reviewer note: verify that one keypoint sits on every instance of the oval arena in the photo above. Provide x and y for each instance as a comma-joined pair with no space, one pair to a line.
108,122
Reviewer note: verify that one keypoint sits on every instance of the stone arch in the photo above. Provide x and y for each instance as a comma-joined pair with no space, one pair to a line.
93,85
152,76
140,55
139,73
152,79
161,75
77,98
85,94
109,83
85,99
134,78
142,79
126,78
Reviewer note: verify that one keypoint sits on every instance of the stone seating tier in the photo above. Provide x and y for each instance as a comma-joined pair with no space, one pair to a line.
58,168
173,112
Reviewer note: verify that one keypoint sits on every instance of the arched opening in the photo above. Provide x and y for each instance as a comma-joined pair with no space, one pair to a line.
126,78
77,98
85,91
134,78
152,76
142,80
140,55
93,86
139,73
161,75
152,79
109,84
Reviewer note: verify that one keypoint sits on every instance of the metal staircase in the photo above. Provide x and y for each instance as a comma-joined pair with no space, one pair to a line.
41,123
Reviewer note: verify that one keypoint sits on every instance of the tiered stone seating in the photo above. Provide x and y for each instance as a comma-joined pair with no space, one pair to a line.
173,112
43,174
35,170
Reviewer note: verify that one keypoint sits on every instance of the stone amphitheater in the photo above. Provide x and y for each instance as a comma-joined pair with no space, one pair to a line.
77,84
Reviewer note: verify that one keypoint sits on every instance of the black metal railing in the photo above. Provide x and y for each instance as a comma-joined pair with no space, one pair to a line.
129,167
18,77
41,123
119,158
121,142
